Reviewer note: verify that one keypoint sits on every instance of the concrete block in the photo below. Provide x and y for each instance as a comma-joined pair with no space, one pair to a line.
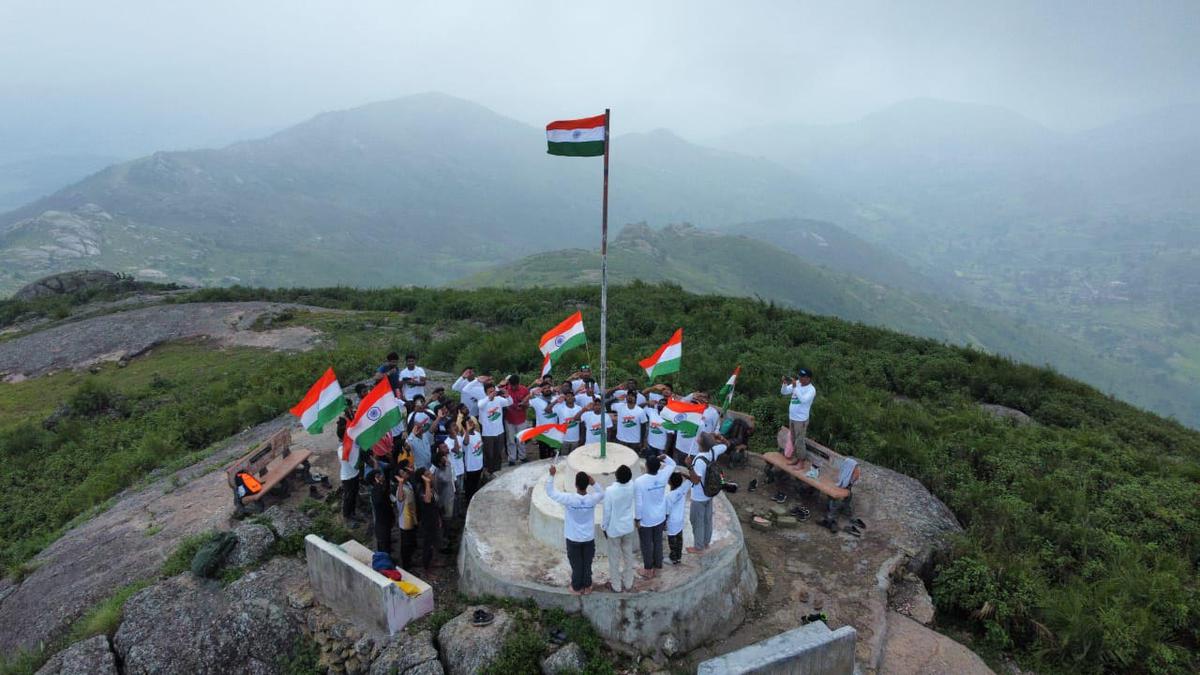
809,650
345,583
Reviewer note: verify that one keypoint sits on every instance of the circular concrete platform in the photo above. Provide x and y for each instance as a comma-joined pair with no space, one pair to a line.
700,599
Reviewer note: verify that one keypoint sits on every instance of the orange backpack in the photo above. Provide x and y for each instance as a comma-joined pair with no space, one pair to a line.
251,483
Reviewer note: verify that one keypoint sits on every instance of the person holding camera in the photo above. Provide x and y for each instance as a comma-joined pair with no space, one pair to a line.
801,393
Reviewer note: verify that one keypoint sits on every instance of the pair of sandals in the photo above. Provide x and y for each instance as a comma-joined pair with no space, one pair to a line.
482,617
800,513
855,527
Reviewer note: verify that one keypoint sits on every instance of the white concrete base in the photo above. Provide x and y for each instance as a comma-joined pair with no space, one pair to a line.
342,579
809,650
701,599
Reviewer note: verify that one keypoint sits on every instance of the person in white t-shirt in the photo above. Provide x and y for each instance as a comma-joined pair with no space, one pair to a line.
578,379
491,420
470,389
617,521
711,447
473,457
412,379
617,394
568,412
650,505
659,439
595,422
586,395
349,471
631,423
800,393
579,526
675,502
658,392
541,400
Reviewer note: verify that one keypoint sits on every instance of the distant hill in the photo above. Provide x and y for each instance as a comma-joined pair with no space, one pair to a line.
423,189
28,179
707,261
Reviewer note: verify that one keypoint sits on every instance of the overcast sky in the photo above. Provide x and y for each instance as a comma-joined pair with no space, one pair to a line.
168,72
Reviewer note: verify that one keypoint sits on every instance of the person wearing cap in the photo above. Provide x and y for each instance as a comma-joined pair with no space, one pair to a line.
801,393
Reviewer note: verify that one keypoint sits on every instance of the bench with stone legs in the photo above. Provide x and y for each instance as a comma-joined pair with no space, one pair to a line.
271,463
827,462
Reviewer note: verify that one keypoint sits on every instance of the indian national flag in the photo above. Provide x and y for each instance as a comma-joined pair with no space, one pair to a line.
566,335
546,363
576,138
684,417
666,359
726,392
550,434
377,414
323,403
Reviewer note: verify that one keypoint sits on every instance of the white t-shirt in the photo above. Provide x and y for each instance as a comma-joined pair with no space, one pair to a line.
454,444
348,468
420,419
474,453
470,391
801,400
712,419
674,505
591,421
422,449
629,423
657,436
543,413
584,400
655,397
700,466
686,444
617,519
579,523
411,390
491,415
565,416
650,493
577,386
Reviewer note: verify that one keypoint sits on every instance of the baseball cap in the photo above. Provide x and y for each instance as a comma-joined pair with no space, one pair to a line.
805,372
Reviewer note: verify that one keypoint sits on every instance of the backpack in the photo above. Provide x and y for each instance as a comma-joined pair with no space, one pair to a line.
211,555
713,480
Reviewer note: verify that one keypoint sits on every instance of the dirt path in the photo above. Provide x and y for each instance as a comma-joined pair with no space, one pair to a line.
112,337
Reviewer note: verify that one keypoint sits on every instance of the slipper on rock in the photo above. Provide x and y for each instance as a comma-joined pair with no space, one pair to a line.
753,486
481,617
859,523
850,529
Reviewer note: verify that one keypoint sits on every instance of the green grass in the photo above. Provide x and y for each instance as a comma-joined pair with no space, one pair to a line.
180,559
106,616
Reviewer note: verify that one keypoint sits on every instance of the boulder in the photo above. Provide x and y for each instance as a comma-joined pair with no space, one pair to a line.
406,654
287,522
92,656
66,282
253,543
467,649
568,659
909,597
913,649
160,624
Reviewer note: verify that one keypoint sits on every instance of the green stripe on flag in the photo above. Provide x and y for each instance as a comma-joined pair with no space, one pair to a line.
327,414
577,340
665,368
584,149
686,427
371,435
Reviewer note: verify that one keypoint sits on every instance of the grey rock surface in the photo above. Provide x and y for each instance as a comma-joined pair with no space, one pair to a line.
909,597
92,656
287,522
913,649
66,282
406,654
184,624
253,543
467,649
568,659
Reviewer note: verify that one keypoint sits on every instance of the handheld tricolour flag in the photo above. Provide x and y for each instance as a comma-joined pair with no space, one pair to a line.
550,434
725,394
666,359
378,412
323,403
683,417
563,337
576,138
546,363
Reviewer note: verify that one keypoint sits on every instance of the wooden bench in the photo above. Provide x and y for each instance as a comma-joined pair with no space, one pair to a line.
271,463
828,463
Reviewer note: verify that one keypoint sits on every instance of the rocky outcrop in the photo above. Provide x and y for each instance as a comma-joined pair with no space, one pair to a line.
66,282
253,544
287,522
568,659
466,648
92,656
408,654
913,649
184,624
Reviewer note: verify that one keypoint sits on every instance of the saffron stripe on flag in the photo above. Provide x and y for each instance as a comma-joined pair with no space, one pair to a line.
582,123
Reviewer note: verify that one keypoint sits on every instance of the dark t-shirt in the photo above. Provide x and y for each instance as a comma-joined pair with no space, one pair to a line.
393,374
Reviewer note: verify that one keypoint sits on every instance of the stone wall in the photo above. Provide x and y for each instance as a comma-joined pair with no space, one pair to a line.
809,650
359,593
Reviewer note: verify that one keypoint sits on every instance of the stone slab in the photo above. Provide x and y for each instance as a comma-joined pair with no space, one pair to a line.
812,649
345,584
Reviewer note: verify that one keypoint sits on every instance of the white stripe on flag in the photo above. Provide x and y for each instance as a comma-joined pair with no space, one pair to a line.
575,135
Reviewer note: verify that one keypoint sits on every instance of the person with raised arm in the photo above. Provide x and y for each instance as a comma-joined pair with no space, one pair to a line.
579,526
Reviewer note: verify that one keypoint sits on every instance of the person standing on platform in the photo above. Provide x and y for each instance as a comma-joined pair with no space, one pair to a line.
541,400
595,422
702,506
579,527
631,423
617,523
650,509
567,412
659,440
801,393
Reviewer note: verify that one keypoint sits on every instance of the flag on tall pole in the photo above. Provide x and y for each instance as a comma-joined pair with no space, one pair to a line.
589,137
564,337
323,403
666,360
726,392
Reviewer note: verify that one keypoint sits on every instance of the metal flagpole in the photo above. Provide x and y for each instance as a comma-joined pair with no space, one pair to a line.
604,296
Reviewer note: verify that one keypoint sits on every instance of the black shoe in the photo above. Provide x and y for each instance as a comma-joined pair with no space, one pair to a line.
753,486
857,522
511,463
779,498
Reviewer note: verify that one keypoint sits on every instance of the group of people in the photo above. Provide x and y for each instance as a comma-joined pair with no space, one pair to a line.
421,476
